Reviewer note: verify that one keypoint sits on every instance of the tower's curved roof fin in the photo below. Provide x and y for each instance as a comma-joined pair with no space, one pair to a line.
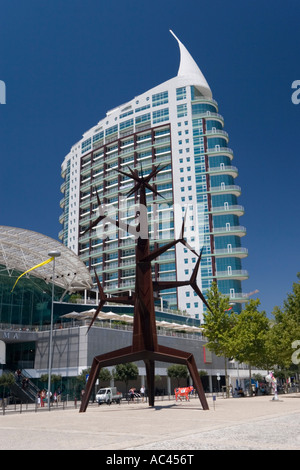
189,69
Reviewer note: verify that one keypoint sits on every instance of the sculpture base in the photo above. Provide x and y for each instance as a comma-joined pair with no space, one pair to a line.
129,354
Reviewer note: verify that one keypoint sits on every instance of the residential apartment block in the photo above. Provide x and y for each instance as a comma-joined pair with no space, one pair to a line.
176,125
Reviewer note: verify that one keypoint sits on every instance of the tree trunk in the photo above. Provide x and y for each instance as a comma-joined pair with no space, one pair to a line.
226,379
250,384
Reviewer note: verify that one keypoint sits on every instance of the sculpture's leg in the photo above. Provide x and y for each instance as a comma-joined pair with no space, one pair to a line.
191,364
94,373
115,357
150,380
167,354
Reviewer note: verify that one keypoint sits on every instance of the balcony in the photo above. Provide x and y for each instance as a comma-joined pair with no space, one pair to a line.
226,209
62,218
232,274
238,252
209,115
240,275
229,230
63,186
217,133
229,189
220,150
238,297
199,99
223,170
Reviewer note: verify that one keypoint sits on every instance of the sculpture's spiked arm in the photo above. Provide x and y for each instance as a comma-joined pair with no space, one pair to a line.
193,281
199,293
161,285
103,299
121,225
120,299
133,175
159,251
126,300
141,181
182,240
102,302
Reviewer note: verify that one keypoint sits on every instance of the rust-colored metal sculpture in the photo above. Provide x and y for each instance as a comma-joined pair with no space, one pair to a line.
144,346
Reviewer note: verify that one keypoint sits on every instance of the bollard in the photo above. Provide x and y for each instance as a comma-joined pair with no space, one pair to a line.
214,400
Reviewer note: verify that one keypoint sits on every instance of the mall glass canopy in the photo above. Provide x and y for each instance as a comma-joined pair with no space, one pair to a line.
22,249
29,303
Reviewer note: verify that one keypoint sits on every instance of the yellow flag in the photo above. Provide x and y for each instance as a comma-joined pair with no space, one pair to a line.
31,269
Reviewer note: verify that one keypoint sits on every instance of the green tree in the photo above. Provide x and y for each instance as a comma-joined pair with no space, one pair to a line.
105,375
126,372
75,298
250,338
177,372
6,382
81,379
218,324
286,328
202,373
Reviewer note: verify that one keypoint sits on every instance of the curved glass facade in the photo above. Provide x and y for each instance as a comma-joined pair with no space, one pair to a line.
30,302
217,198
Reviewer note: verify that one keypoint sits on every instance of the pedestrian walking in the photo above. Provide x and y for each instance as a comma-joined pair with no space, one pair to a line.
43,396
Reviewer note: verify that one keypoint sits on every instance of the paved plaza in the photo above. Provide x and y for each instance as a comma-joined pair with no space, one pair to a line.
257,423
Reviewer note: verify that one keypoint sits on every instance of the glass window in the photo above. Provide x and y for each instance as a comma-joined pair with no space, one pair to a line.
181,110
180,93
160,98
98,136
111,130
143,118
126,124
86,145
126,114
160,115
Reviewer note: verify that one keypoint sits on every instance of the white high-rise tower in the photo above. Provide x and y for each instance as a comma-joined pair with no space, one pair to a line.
175,124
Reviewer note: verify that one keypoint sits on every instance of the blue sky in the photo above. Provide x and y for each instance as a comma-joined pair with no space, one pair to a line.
65,63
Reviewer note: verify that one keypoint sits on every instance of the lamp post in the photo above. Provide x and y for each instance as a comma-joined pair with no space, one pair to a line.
52,254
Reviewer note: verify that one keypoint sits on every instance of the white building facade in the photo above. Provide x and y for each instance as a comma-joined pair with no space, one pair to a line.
176,125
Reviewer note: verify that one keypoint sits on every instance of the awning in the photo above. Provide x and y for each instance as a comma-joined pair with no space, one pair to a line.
22,249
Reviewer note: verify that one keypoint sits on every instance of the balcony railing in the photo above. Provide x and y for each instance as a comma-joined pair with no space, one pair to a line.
223,170
218,150
240,274
239,252
234,189
230,230
236,209
232,274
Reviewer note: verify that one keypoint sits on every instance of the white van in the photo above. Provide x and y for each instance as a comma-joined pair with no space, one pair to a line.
108,395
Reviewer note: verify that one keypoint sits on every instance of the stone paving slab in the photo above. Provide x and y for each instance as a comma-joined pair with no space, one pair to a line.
257,423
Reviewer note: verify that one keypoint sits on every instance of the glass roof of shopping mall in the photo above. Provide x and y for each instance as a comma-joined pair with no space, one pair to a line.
22,249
